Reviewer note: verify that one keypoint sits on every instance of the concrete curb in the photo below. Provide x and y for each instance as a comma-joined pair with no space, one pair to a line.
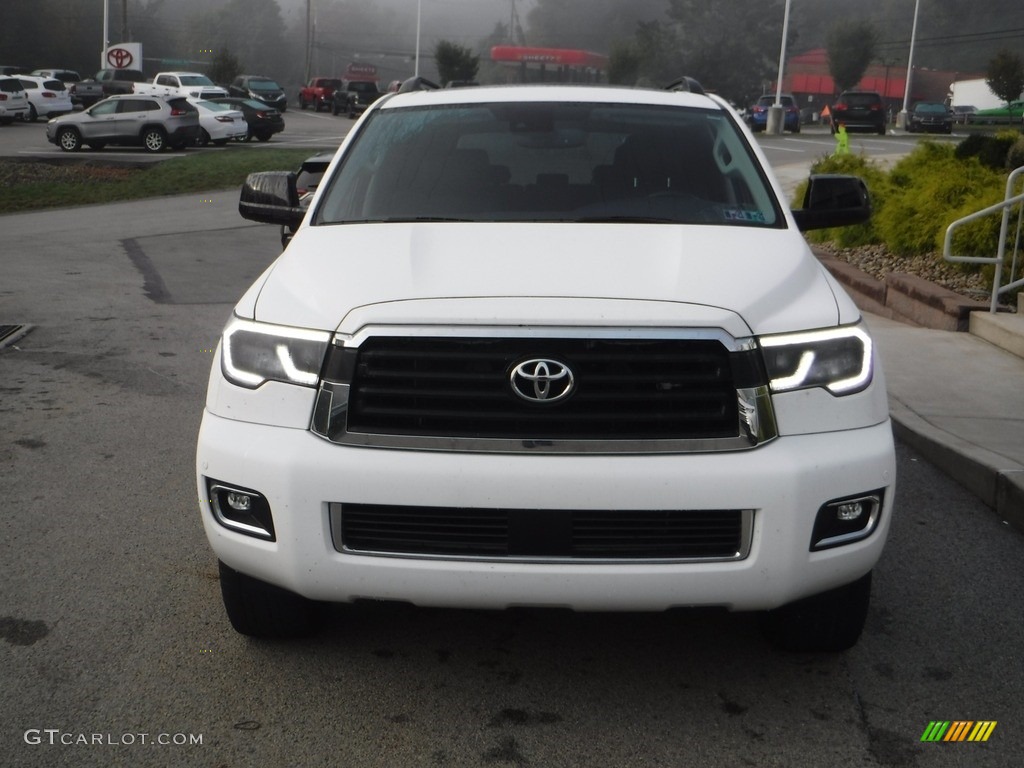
989,476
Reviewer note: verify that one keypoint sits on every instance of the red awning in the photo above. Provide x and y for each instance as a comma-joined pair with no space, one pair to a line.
561,57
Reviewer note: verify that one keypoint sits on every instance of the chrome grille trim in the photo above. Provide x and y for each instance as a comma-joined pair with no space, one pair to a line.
754,415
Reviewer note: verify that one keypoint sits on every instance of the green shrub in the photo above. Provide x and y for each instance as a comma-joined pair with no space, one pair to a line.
990,150
1015,157
929,189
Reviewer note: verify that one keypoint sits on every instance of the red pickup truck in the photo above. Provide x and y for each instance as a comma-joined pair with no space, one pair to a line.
319,93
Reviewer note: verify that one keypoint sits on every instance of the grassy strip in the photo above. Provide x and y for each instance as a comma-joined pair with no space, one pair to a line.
36,185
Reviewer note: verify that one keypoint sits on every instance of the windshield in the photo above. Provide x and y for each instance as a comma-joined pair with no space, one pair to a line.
263,85
546,161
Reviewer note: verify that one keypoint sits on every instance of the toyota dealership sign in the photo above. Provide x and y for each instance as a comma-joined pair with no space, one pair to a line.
124,56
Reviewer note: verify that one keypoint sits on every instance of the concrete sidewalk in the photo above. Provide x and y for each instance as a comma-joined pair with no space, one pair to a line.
959,401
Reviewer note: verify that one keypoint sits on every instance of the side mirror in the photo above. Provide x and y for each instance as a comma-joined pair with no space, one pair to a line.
833,200
271,198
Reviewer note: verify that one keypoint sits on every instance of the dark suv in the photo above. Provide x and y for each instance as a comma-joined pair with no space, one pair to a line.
859,111
355,96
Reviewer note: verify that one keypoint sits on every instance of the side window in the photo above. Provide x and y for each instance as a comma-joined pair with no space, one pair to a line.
104,108
29,85
165,80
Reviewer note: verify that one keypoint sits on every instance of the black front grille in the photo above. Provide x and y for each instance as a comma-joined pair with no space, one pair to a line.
625,389
538,534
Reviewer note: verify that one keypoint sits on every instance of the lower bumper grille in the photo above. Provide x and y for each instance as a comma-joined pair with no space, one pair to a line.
541,535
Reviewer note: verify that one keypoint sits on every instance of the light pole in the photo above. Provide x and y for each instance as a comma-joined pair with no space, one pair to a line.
901,119
419,10
775,122
106,33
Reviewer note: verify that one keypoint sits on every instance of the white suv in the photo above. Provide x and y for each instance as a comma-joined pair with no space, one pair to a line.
549,346
14,103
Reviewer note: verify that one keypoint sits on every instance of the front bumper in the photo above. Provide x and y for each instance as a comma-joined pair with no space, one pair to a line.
784,482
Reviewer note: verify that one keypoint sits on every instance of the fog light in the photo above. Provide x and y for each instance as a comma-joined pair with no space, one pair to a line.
846,520
849,511
240,502
241,510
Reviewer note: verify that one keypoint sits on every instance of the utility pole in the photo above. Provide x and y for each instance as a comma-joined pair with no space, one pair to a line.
901,118
124,21
309,39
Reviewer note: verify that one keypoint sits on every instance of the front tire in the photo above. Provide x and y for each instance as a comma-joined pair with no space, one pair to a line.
829,622
32,114
258,609
69,140
154,140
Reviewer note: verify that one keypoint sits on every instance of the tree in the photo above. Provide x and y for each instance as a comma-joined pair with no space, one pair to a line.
730,46
455,62
225,67
1005,75
851,48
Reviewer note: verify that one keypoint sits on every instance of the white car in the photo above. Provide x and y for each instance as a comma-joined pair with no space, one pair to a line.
47,97
13,101
219,123
549,346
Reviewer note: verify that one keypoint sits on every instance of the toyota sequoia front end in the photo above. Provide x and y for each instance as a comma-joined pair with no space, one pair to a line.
549,346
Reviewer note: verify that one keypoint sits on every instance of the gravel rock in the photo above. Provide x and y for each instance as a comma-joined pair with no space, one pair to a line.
878,261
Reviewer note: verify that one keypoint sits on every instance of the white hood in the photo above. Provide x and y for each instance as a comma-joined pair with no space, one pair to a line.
338,276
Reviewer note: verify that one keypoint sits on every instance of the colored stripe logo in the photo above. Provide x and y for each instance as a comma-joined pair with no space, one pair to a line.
958,730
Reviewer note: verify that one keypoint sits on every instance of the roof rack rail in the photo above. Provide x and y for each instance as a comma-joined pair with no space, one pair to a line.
685,84
418,84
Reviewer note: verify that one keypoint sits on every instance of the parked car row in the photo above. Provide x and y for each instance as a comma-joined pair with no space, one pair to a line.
158,121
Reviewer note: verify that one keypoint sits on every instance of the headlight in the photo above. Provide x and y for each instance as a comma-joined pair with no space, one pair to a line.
838,359
253,353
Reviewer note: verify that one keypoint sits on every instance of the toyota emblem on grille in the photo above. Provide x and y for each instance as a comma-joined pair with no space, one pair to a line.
542,380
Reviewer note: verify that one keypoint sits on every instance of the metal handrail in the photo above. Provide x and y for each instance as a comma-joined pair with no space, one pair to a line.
1000,257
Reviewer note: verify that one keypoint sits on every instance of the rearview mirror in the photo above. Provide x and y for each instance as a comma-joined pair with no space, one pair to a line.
270,197
833,200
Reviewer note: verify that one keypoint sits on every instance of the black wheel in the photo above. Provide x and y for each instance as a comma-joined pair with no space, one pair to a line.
154,140
220,142
302,103
203,138
258,609
32,114
797,128
69,140
829,622
263,136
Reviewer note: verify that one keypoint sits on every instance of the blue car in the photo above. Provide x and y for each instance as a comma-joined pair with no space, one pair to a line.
759,113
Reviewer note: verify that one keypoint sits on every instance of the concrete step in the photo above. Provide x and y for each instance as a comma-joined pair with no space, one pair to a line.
1003,329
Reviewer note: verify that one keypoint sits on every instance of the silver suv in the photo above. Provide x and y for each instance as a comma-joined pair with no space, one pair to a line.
153,122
